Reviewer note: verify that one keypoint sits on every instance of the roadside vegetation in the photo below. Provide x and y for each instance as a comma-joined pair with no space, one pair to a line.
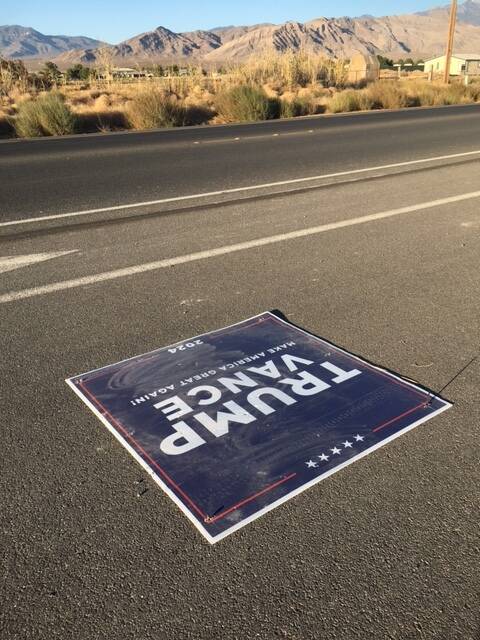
83,100
48,115
246,103
154,109
402,94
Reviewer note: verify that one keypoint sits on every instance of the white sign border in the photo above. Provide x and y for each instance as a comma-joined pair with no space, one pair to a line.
213,539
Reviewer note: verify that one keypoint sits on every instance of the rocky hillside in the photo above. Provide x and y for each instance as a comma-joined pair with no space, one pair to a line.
163,45
24,42
417,35
468,12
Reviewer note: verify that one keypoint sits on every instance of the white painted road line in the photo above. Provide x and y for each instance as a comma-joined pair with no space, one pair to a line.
9,263
220,251
255,187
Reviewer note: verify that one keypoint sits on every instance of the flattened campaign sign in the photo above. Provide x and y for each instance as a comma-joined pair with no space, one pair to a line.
235,422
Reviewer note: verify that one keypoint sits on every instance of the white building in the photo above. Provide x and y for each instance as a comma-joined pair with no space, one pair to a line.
127,72
462,64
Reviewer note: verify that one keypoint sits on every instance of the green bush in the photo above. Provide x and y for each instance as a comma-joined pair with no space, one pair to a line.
26,122
49,75
155,109
48,115
78,72
245,103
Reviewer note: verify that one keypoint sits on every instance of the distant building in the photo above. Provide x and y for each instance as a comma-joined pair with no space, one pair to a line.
462,64
126,72
363,68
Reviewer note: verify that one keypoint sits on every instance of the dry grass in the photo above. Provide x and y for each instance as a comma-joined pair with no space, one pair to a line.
269,86
155,109
401,94
385,95
346,101
289,70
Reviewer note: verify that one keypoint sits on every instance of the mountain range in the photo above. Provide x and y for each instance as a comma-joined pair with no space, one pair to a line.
418,34
468,11
24,42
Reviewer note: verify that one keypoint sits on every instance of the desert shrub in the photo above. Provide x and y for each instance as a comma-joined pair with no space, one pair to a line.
346,101
289,69
102,103
434,95
49,75
155,109
48,115
385,95
78,72
246,103
27,121
298,107
391,95
13,74
455,94
297,69
473,92
427,95
289,109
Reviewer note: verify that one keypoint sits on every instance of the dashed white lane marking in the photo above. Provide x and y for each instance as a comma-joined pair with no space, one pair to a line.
255,187
232,248
9,263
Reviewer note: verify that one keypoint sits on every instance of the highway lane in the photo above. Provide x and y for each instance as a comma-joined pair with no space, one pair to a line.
42,177
128,243
387,548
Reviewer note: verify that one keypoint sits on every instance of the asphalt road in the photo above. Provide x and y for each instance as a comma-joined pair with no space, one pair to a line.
83,172
386,548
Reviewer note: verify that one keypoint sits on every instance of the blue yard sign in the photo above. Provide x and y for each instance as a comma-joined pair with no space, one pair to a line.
234,422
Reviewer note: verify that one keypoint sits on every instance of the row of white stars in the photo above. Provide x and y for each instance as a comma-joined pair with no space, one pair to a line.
311,464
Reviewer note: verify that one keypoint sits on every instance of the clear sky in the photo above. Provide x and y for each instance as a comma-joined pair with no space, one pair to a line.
117,20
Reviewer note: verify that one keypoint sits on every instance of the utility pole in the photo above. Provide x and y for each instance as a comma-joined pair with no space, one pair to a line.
451,37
